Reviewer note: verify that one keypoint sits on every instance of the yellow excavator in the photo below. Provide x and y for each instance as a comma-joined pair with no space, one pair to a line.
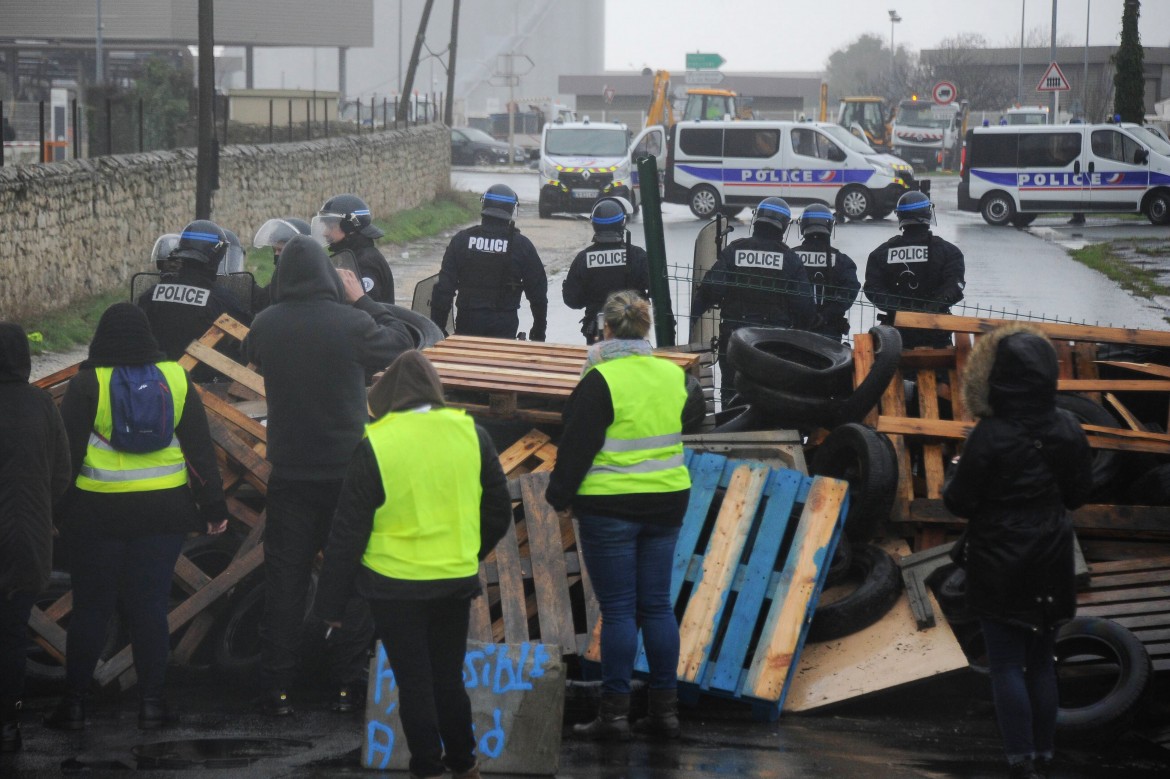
865,116
702,103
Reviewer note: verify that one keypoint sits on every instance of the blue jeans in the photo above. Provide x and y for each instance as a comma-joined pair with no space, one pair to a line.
136,571
1023,682
629,564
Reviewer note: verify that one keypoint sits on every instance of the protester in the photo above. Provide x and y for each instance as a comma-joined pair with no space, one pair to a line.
1024,466
34,474
620,470
134,499
424,501
315,346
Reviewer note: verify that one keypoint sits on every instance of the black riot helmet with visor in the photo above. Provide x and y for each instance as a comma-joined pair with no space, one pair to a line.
914,209
233,258
774,212
817,219
277,232
202,242
160,255
609,219
347,213
499,202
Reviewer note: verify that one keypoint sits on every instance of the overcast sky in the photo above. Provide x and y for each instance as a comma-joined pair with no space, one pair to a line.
779,35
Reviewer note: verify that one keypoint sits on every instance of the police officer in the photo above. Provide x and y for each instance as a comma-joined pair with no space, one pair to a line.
916,271
489,265
756,281
610,264
344,224
274,233
182,307
833,274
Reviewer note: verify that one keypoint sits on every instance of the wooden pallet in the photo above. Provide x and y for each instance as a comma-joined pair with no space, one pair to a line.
746,581
939,435
1134,593
522,380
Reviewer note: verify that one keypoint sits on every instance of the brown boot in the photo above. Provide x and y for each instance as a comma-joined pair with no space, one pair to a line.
613,720
662,715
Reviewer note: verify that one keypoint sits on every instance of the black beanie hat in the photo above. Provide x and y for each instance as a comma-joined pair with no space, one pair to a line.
123,337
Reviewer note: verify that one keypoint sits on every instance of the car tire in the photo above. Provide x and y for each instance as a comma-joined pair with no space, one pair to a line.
866,459
787,409
237,645
1106,462
855,202
886,358
881,583
997,208
483,158
842,561
878,214
423,331
738,419
795,360
704,201
1158,208
695,408
1023,220
543,208
1106,717
1152,488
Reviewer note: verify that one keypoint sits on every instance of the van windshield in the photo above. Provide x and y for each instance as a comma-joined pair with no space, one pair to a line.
923,115
847,139
1151,139
585,142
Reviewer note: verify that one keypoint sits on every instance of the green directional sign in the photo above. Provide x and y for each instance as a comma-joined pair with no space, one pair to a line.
704,61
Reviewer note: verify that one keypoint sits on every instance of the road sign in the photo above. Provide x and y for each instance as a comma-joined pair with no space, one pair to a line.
1053,80
944,93
608,93
708,77
704,61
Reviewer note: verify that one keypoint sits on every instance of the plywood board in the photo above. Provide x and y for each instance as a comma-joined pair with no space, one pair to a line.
888,654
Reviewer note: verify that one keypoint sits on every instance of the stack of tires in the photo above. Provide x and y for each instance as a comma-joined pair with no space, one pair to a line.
802,380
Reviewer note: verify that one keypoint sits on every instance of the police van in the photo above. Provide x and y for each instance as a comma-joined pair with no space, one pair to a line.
1013,174
583,161
726,165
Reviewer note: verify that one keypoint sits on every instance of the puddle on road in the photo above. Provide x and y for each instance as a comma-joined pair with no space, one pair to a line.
214,753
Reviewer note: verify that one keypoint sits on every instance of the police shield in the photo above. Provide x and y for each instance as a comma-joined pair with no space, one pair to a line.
421,302
345,259
708,244
141,282
240,285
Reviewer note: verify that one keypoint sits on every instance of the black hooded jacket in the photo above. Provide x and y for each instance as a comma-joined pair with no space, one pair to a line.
315,352
371,266
410,383
34,469
1023,467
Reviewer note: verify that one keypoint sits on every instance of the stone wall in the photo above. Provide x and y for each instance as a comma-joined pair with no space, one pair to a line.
76,228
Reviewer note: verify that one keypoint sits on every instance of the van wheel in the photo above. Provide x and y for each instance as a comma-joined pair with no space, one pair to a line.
997,209
855,203
544,208
704,201
1158,208
1023,220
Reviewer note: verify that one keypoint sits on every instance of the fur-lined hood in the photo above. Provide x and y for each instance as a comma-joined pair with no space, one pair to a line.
1015,377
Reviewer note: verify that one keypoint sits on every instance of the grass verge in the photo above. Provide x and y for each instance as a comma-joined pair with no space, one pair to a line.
1124,263
74,324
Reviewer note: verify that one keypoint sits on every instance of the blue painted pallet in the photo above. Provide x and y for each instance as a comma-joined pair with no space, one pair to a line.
755,570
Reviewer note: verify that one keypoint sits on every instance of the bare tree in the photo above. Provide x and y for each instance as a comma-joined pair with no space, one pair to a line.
408,85
961,60
864,68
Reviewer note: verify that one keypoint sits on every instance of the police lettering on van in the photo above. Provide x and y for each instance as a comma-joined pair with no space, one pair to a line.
181,293
907,254
607,258
489,245
750,258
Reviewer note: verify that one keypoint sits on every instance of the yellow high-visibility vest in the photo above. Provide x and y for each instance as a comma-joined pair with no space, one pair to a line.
428,527
105,469
643,449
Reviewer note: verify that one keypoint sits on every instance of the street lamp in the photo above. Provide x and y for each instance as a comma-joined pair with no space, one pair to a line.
894,19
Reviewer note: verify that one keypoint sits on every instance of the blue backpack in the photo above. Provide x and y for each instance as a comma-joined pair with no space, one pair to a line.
143,409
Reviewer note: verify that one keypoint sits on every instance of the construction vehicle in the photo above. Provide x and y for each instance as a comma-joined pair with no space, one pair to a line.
867,118
702,103
930,135
661,111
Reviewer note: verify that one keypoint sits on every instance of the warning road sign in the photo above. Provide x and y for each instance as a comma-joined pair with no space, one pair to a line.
1053,80
944,93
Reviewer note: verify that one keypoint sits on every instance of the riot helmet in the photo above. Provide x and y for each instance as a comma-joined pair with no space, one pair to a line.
348,214
609,220
817,219
160,255
914,208
203,242
276,233
233,259
772,211
499,202
302,227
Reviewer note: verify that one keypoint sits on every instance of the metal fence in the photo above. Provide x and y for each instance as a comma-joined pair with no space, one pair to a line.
64,128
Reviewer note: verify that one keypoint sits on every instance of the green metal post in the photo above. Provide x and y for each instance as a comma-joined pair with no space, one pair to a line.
656,251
